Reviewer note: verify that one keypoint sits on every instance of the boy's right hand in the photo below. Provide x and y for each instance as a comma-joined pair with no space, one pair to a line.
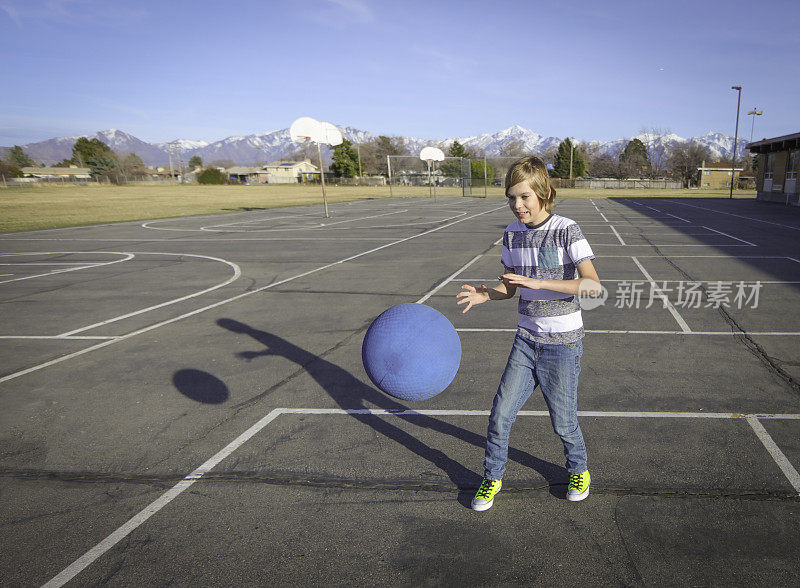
472,296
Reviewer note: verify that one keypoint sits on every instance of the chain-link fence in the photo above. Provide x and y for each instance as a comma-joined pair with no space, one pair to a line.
410,176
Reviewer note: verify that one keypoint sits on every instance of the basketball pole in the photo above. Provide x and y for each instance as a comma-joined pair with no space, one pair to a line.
429,178
322,178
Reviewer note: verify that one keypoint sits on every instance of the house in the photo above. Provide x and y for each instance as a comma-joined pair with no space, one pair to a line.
776,175
717,175
289,172
248,175
57,173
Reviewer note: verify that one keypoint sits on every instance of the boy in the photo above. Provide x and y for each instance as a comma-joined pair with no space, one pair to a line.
541,252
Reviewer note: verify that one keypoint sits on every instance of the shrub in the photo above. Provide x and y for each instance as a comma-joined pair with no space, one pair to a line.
211,175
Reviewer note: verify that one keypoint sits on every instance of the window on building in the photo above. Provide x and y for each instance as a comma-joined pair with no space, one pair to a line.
791,164
770,166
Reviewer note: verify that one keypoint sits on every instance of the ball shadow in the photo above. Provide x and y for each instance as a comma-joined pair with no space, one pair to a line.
200,386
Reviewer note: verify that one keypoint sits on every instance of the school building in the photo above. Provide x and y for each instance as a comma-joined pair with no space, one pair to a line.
776,175
717,176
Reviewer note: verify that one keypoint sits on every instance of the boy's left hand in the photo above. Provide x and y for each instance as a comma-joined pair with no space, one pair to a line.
522,281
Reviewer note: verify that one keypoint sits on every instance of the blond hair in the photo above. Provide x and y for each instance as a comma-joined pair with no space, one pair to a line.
532,170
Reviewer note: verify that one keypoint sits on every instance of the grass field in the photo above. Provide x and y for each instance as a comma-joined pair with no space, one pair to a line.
47,207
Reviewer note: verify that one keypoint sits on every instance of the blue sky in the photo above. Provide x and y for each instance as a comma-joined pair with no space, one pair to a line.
208,70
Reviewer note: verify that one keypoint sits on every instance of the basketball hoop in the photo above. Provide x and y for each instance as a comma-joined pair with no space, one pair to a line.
431,154
306,129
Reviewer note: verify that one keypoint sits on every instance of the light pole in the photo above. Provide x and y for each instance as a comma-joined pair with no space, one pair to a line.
755,112
736,135
571,149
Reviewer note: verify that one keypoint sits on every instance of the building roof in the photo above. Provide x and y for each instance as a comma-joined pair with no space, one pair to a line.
718,167
245,170
775,144
56,171
288,164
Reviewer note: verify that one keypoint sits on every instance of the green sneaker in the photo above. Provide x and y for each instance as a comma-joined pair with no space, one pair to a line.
578,488
485,496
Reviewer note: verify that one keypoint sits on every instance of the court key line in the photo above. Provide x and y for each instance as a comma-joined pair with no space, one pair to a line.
142,516
633,332
63,271
233,298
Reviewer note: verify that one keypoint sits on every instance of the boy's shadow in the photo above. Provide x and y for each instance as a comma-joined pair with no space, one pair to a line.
351,393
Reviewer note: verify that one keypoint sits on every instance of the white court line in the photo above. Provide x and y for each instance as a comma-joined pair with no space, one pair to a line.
319,227
737,215
194,239
731,236
62,271
452,277
448,279
714,256
543,413
665,245
210,228
680,218
61,337
623,332
643,234
621,242
137,520
237,297
237,272
746,282
663,296
90,556
786,467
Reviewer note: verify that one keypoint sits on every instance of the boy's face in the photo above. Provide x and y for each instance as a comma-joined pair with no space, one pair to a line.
525,204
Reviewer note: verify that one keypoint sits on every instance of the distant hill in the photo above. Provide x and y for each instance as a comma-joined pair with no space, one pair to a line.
264,147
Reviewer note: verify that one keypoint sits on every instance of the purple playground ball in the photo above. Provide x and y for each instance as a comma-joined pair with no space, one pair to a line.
411,352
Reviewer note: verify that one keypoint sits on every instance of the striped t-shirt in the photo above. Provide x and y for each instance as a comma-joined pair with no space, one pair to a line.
548,251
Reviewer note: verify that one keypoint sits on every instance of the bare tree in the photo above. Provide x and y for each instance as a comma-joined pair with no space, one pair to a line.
657,150
684,159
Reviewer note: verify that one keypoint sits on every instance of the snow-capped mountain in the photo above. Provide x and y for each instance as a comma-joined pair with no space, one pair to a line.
265,147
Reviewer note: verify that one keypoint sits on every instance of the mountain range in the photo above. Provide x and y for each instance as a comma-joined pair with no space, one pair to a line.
265,147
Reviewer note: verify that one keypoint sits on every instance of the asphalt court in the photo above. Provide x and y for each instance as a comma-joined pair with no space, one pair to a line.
184,402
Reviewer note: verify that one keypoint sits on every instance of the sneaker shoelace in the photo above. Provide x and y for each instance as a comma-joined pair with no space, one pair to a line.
485,489
575,482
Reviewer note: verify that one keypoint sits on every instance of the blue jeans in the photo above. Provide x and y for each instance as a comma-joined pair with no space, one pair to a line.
555,369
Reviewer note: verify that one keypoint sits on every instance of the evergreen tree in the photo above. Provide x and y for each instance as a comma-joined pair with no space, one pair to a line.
84,150
453,169
16,157
345,160
634,158
562,159
458,150
97,156
194,162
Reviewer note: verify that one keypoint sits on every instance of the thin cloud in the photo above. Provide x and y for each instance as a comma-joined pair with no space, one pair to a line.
356,9
68,11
